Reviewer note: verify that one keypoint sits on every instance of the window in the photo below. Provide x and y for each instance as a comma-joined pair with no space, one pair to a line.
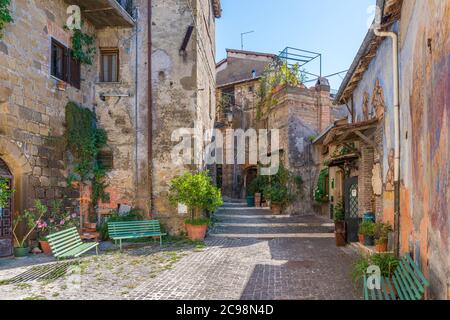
109,65
63,66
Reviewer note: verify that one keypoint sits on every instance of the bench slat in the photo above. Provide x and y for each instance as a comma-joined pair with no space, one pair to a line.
407,276
399,289
417,270
61,234
404,282
384,290
68,237
76,252
68,244
390,287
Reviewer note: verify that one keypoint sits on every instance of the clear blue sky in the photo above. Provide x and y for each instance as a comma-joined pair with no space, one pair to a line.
335,28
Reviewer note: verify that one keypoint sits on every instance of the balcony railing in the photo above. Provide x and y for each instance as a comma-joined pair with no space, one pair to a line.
106,13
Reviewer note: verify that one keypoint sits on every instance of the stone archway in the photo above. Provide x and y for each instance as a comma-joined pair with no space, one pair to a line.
250,174
20,170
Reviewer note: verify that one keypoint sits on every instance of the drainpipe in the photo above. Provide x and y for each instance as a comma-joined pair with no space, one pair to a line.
394,38
150,103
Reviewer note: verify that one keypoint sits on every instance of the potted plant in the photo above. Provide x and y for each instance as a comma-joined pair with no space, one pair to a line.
198,193
52,221
360,235
367,228
5,194
278,195
385,261
31,219
381,232
339,224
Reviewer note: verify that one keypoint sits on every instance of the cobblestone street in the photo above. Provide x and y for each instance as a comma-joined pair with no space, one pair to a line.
254,255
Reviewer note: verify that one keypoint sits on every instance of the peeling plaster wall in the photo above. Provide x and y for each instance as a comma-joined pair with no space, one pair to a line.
183,91
425,154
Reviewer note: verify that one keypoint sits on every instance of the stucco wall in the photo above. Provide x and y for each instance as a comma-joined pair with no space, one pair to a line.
424,118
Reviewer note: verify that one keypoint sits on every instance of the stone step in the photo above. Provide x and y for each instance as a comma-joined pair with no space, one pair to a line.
272,235
255,216
271,230
270,225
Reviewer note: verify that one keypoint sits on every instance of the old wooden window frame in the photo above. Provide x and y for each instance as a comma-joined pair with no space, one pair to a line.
110,52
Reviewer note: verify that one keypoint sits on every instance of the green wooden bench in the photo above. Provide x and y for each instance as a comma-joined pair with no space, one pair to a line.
67,244
407,283
119,231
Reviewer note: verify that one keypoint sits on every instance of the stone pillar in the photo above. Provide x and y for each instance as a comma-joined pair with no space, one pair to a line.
365,180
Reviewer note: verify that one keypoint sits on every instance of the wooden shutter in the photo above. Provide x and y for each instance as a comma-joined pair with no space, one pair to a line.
75,71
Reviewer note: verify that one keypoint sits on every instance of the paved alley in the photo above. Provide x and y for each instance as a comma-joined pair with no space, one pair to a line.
252,254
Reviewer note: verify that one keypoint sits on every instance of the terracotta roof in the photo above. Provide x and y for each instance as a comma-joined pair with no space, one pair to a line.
217,8
368,50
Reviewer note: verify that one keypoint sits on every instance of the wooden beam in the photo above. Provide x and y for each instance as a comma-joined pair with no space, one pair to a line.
365,139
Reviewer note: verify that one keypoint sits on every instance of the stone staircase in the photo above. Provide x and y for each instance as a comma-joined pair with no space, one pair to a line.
236,220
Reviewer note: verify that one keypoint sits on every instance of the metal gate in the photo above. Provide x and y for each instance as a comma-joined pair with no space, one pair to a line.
6,238
351,208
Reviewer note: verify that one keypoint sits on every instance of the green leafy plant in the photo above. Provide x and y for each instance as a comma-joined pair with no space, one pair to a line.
367,228
283,187
83,47
31,219
84,140
133,215
5,15
339,212
5,192
320,194
385,261
276,75
381,232
197,192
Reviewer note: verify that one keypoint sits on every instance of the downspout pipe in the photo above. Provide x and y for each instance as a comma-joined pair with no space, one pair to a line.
394,38
150,103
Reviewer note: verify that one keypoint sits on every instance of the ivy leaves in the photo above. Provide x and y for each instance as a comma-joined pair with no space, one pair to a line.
5,192
5,14
83,48
84,140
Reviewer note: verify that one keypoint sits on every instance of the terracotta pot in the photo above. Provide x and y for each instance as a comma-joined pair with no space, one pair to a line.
339,226
276,208
45,247
340,239
61,85
381,247
196,233
361,238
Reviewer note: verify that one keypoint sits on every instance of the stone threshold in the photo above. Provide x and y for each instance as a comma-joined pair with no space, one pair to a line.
367,250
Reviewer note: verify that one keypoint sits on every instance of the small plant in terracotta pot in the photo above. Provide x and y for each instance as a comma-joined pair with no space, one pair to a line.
360,235
381,232
367,228
198,193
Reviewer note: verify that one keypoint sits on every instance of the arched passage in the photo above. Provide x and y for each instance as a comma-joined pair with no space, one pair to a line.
15,166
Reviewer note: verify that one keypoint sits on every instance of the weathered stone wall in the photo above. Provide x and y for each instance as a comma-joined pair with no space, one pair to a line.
425,153
183,91
300,115
32,109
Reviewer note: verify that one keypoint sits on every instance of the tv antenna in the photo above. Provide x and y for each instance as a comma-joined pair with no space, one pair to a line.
242,38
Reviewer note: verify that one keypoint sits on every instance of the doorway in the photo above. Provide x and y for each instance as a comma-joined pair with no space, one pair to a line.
351,208
6,237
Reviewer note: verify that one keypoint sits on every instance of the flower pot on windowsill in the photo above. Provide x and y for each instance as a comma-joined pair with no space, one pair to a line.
45,247
276,207
20,252
61,85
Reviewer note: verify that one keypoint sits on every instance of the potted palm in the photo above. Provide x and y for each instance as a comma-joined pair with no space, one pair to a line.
381,232
339,225
198,193
30,218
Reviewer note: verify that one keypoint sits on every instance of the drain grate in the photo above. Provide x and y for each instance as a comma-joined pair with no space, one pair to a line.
49,272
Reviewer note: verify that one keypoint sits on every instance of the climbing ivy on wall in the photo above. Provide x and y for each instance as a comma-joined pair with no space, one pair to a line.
84,140
83,48
5,14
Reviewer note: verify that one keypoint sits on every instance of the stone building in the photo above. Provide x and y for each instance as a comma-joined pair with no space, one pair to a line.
421,216
154,55
300,114
237,85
